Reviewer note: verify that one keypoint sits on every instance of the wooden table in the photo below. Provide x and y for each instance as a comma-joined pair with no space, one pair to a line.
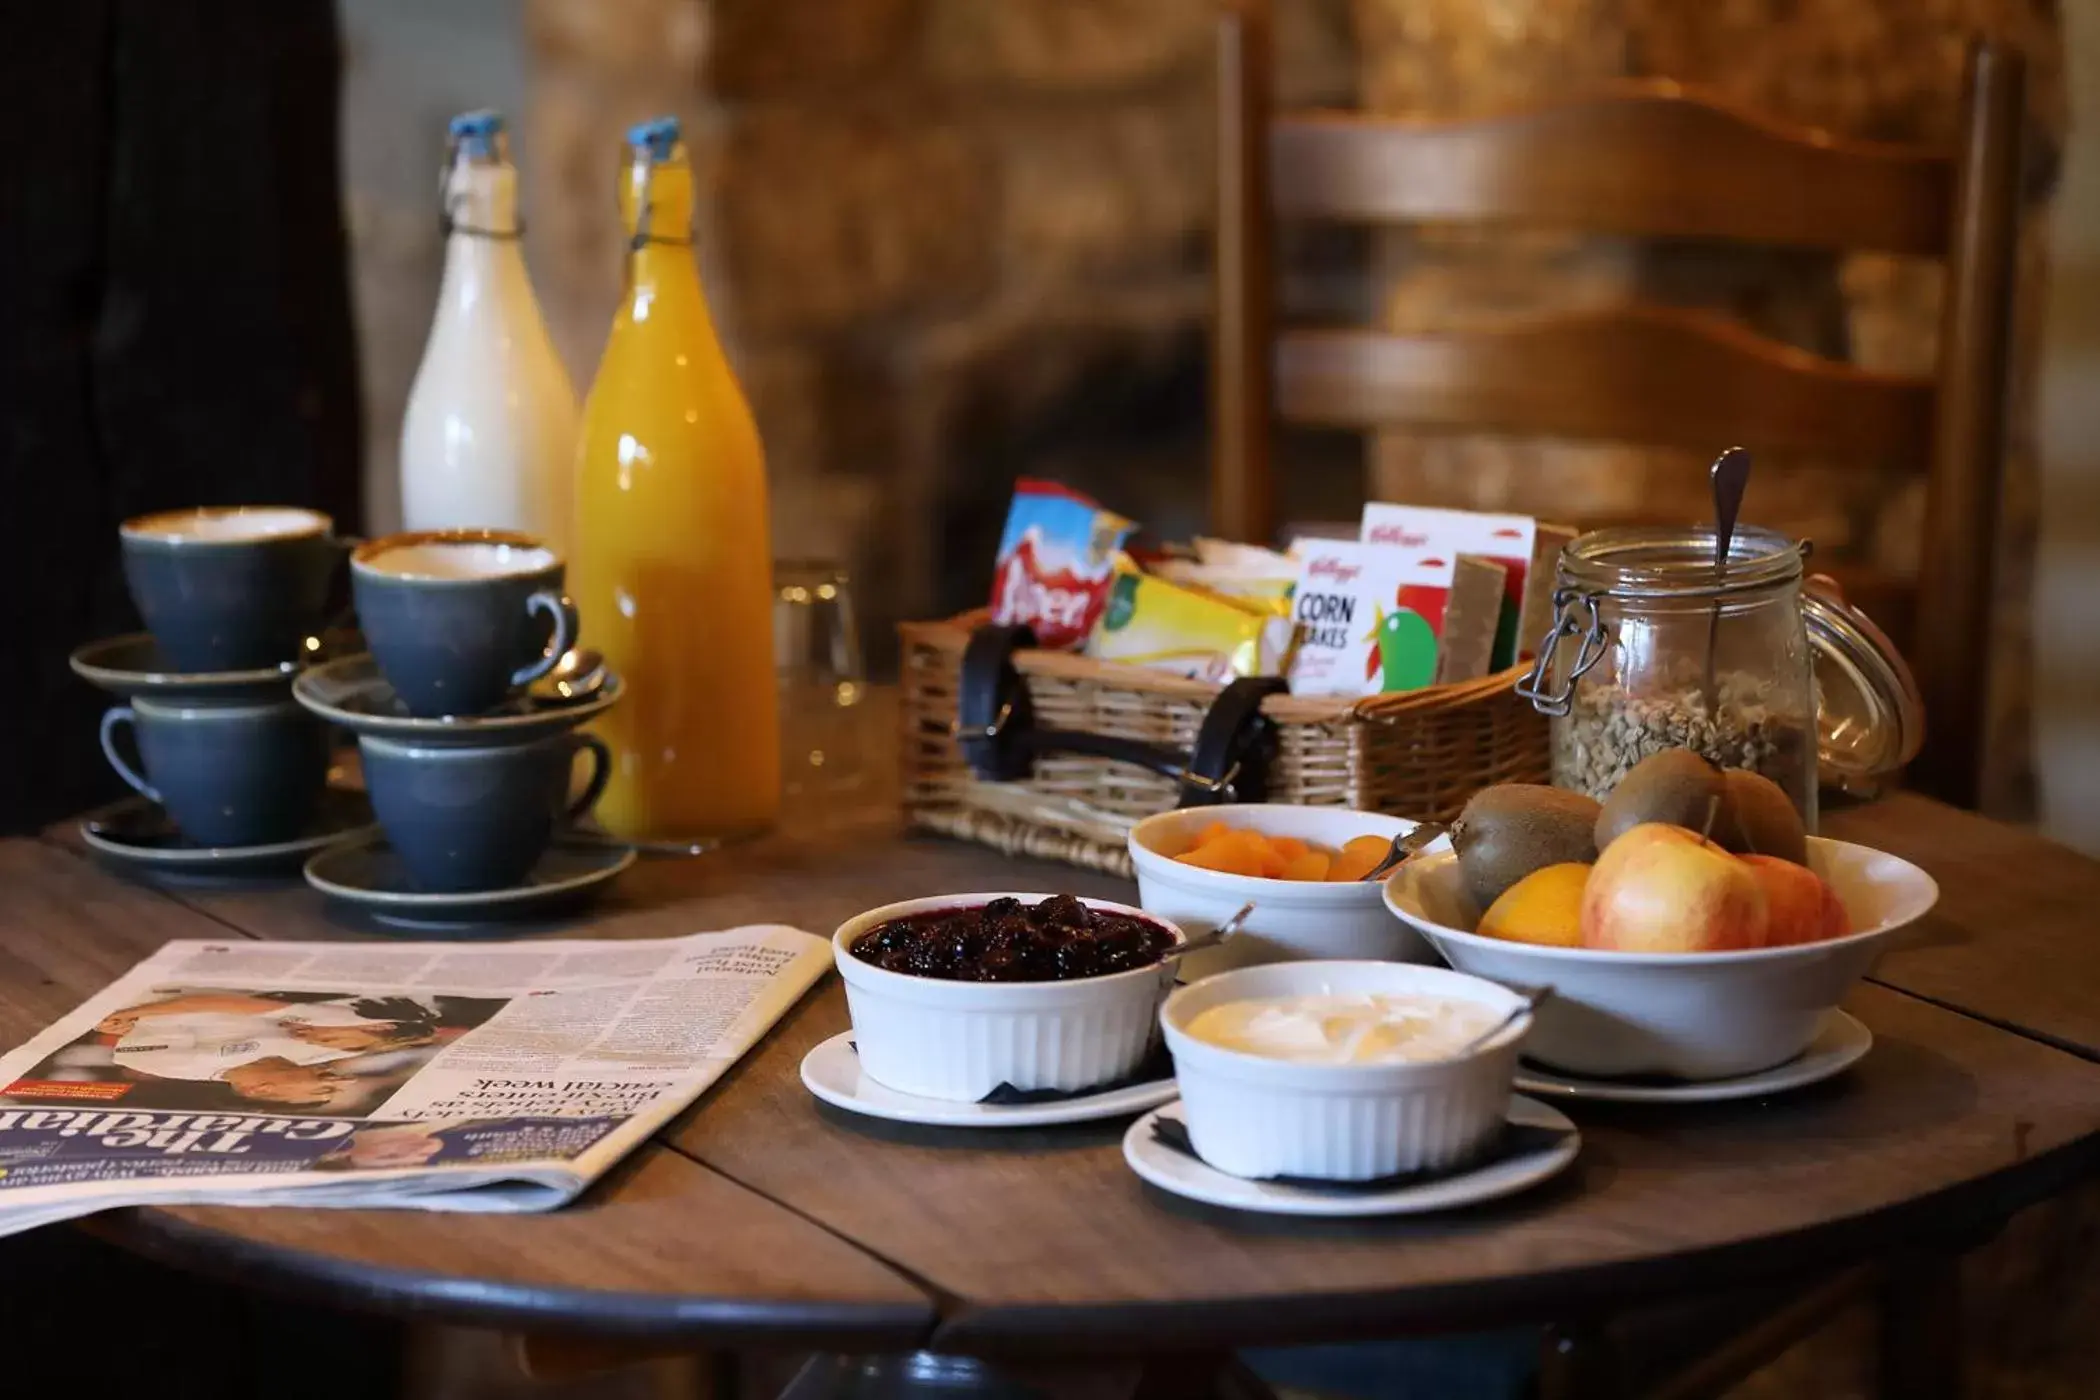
2015,939
760,1217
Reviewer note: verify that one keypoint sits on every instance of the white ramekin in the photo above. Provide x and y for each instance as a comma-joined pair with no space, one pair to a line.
1255,1117
961,1040
1292,918
1685,1015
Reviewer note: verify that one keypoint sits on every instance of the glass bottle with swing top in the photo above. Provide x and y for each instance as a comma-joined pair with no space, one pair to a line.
672,567
489,435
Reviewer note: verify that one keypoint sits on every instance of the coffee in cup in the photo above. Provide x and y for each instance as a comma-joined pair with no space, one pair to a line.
459,619
477,818
230,588
229,775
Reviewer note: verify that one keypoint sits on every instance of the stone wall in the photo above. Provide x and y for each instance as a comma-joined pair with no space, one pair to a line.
952,239
1886,69
928,225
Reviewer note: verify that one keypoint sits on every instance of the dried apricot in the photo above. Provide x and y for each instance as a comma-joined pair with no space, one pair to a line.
1242,851
1358,857
1237,853
1312,865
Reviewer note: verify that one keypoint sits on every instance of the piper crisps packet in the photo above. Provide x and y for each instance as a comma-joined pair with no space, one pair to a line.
1372,619
1056,562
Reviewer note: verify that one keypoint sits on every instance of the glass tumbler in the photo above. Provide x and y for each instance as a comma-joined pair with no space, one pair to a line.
816,648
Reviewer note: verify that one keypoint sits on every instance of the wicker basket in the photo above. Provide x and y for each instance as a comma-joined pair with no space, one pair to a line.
1418,754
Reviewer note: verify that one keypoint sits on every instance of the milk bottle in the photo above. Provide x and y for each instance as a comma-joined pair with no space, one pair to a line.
489,438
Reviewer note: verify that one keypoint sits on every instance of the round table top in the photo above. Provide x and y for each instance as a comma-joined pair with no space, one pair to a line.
760,1215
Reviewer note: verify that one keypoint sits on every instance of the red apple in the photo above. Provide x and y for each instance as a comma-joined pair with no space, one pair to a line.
1836,922
1802,908
1663,889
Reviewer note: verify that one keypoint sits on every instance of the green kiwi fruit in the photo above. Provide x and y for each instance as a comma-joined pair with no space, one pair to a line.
1676,786
1757,815
1509,830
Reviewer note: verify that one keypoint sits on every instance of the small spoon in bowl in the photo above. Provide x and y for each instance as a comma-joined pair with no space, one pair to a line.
1533,1000
1212,939
1407,843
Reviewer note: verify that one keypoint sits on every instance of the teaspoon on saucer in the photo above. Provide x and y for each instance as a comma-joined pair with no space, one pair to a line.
577,676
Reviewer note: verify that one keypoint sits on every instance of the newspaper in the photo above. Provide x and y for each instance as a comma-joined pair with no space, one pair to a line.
438,1076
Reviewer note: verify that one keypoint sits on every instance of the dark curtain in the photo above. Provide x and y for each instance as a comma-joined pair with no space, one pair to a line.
174,330
174,320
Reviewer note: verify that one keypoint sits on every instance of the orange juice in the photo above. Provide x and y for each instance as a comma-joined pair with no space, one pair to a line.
672,568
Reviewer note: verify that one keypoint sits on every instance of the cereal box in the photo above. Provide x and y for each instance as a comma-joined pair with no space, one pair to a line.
1371,619
1525,550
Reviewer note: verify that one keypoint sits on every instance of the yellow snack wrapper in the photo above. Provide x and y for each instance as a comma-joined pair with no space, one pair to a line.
1150,621
1264,592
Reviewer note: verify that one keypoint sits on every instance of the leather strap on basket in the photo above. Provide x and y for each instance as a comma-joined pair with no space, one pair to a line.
1234,744
996,729
994,709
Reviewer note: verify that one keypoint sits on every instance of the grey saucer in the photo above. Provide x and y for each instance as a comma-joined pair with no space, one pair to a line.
137,832
132,665
350,692
368,874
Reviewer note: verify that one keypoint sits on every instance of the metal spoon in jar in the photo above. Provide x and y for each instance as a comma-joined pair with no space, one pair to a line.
1407,843
1212,939
1730,475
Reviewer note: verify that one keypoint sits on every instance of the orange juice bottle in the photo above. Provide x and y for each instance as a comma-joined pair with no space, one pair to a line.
672,566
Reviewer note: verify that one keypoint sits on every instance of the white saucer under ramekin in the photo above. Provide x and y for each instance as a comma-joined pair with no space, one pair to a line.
833,1073
1196,1180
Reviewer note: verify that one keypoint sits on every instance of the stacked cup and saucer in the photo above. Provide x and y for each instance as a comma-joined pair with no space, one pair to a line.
467,712
231,774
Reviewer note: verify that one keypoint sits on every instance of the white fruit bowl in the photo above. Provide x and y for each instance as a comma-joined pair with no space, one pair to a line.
1685,1015
1252,1116
1292,919
961,1040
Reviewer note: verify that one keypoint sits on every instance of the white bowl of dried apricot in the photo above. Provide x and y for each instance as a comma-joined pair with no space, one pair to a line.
1303,869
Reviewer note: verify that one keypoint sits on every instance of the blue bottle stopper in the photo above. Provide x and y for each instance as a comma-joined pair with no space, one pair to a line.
475,133
658,135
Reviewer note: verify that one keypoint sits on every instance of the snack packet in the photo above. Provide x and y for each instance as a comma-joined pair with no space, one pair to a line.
1265,587
1056,561
1252,559
1155,622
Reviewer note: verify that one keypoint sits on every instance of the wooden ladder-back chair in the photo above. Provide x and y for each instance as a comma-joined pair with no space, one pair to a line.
1643,159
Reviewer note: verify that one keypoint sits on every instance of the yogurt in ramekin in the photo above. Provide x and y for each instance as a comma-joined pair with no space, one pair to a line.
1346,1071
1345,1028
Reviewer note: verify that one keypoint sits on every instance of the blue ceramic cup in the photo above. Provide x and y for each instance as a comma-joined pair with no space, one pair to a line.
231,588
459,619
230,775
477,818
